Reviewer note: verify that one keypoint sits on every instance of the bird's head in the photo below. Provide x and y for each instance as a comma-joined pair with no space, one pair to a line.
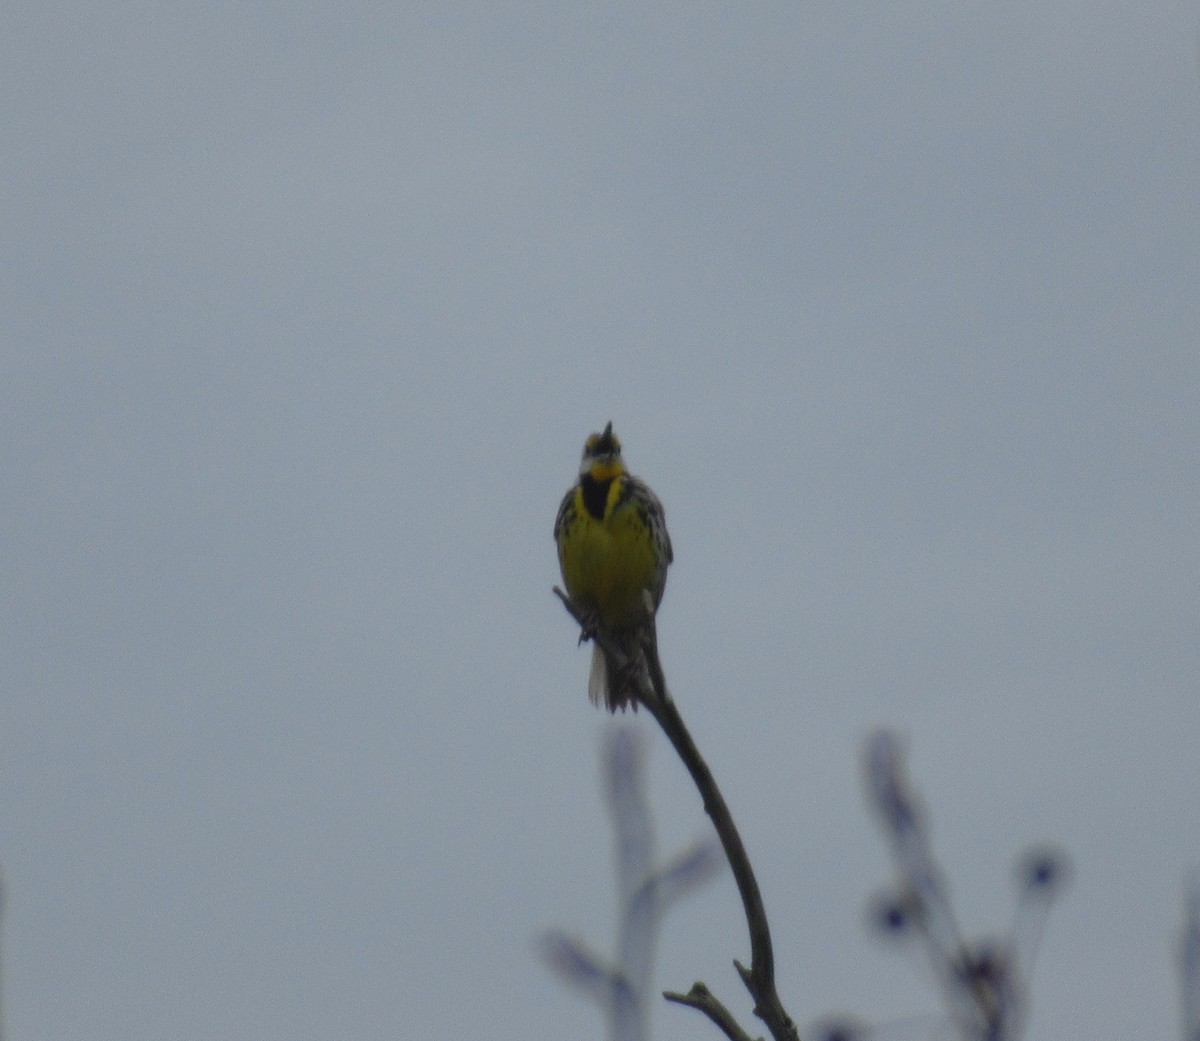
602,456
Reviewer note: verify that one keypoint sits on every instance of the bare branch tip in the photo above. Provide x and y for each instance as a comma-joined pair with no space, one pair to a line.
703,1000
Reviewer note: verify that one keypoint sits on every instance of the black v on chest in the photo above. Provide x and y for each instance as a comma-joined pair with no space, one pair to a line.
595,495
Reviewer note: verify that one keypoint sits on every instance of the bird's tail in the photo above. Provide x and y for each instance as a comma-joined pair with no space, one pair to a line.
613,682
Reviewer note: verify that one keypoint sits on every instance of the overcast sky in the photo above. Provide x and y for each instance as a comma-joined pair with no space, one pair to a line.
305,312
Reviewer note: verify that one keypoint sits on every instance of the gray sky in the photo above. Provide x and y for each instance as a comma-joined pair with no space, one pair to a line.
305,311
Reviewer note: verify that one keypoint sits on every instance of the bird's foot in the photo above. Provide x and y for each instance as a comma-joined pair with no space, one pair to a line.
589,622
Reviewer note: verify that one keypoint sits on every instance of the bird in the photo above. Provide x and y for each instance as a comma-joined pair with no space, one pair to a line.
613,550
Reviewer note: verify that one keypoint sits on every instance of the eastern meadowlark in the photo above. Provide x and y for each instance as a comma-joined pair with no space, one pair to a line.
613,549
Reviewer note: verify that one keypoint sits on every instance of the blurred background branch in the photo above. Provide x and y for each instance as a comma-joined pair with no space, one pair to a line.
984,984
622,986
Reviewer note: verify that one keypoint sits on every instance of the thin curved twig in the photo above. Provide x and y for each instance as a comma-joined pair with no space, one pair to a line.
760,977
651,691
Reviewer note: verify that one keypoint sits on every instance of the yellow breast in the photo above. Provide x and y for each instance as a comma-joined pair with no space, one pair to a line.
608,563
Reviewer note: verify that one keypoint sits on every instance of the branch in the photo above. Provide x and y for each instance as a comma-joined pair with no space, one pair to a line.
760,977
651,691
1189,960
701,998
